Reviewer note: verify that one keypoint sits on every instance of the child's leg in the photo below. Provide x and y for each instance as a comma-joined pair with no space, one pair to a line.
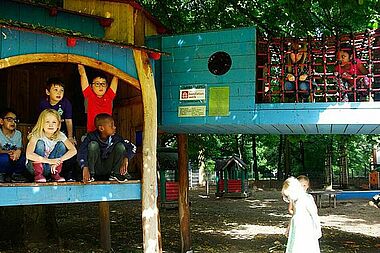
5,164
116,158
40,150
95,163
58,151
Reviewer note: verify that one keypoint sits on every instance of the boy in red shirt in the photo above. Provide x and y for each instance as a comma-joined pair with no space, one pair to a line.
98,95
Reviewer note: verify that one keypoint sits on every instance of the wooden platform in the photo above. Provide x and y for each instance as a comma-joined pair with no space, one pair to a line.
14,194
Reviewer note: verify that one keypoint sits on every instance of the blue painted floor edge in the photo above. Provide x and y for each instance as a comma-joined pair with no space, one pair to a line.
346,195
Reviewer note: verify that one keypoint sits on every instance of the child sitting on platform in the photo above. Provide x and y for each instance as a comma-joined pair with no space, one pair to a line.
104,155
55,99
98,96
48,147
12,161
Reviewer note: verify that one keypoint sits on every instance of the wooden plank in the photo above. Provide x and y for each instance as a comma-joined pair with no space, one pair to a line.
105,230
139,31
150,216
183,200
53,193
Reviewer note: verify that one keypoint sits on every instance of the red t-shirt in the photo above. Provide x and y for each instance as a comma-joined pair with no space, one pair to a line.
97,105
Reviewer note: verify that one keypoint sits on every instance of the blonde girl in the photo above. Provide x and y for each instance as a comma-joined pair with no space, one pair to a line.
48,147
305,227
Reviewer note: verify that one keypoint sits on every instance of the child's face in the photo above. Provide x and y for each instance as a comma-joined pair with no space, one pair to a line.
108,128
99,86
305,185
51,124
55,93
9,122
344,57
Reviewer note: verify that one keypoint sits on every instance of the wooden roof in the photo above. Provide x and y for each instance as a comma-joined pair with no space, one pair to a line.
221,165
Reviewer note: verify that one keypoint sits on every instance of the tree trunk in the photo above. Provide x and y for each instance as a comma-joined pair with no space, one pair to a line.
302,156
280,171
343,164
328,166
254,157
287,157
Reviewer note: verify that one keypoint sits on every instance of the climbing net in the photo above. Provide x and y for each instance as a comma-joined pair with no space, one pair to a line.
310,69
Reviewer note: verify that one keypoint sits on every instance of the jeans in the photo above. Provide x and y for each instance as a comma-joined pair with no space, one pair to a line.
103,168
58,151
8,166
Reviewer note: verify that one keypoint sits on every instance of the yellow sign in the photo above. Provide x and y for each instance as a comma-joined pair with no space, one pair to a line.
192,111
219,101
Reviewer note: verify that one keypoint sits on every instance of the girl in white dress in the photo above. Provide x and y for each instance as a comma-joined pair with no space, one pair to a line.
305,227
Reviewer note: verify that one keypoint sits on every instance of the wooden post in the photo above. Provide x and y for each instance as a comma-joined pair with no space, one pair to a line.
105,231
183,199
150,215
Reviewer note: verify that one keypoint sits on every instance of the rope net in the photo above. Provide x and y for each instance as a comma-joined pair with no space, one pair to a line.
342,68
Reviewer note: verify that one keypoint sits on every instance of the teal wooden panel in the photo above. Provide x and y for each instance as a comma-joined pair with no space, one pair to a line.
28,43
205,51
91,49
37,15
200,64
9,10
119,57
131,66
105,53
230,36
79,48
45,43
10,40
33,15
76,193
59,45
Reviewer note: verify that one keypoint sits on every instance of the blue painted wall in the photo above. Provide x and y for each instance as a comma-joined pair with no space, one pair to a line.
37,15
187,66
14,42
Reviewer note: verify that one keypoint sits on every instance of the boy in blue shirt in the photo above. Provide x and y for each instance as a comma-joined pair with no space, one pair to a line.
12,161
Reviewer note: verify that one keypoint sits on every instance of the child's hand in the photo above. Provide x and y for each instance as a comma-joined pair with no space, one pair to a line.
81,69
290,77
303,77
14,155
53,169
55,161
124,167
86,175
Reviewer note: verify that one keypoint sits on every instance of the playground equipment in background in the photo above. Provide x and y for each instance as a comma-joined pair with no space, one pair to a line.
231,177
374,182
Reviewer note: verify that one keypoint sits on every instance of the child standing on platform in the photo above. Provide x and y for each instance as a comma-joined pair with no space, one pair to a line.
48,147
104,155
98,95
12,161
305,227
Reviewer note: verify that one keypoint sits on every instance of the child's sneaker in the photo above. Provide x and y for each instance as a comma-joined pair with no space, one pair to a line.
57,178
40,179
18,178
92,179
119,178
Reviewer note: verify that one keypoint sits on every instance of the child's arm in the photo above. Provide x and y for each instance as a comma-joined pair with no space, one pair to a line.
362,69
31,155
83,77
71,150
86,174
14,155
290,208
70,136
114,82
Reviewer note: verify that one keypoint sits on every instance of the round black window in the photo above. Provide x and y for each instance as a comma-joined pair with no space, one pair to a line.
219,63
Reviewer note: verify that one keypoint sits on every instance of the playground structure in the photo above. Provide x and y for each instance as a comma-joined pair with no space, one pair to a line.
232,180
185,91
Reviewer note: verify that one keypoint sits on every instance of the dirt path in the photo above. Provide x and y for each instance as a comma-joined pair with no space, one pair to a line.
255,224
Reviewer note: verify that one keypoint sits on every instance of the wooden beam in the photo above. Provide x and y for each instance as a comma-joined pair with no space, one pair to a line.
183,199
150,215
105,231
69,58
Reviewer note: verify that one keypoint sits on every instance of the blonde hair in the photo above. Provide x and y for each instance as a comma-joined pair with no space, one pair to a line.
38,129
291,189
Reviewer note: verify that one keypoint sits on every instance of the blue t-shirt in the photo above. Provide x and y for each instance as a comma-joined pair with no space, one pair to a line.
12,143
63,107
